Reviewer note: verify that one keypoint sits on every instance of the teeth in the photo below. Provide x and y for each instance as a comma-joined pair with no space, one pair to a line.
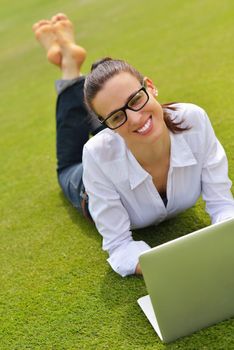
145,127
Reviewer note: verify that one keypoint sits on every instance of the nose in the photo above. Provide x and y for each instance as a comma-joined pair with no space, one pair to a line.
134,118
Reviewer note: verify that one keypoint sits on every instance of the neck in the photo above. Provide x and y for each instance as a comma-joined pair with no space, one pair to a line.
150,154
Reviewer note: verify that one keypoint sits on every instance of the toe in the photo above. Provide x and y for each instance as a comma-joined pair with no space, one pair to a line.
58,17
39,24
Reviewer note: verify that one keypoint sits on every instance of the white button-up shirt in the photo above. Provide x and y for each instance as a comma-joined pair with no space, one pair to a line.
122,195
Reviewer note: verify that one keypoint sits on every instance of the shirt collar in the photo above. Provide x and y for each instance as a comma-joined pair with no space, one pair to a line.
181,153
135,171
181,156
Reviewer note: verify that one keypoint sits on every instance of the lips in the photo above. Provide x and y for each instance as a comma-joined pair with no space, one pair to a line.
146,127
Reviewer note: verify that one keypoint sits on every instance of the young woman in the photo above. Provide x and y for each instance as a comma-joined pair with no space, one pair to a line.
147,161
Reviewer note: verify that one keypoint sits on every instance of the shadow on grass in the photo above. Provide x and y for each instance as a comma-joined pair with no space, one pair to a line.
78,219
182,224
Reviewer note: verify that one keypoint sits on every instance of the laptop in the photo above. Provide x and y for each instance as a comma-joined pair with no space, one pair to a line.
190,281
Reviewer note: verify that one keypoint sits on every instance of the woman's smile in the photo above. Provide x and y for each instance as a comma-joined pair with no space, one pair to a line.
146,128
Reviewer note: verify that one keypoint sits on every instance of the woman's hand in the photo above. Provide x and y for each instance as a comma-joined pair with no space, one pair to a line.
138,270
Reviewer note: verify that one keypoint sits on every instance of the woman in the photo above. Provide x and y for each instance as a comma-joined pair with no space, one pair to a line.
148,163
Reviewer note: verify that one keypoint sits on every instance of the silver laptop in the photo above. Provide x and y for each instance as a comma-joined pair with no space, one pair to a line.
190,281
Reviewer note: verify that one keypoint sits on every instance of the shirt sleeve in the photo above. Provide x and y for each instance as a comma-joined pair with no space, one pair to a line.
216,185
111,218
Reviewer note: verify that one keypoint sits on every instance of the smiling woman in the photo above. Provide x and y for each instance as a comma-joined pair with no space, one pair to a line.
147,162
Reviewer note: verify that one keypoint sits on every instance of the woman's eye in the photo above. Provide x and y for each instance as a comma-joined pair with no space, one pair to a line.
117,117
135,100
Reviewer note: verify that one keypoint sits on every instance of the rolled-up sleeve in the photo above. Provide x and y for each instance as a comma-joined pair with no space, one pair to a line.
111,218
124,259
216,185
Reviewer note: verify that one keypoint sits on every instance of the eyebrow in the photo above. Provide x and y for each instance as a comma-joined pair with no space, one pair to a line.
127,100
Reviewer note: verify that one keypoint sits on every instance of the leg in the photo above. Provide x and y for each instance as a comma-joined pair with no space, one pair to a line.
71,125
71,115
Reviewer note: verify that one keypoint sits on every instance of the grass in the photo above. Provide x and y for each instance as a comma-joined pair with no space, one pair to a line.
57,291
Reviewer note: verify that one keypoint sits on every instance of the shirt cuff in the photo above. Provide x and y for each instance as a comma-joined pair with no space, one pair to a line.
223,216
124,260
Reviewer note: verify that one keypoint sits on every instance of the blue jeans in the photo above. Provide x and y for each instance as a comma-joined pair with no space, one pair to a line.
70,180
73,128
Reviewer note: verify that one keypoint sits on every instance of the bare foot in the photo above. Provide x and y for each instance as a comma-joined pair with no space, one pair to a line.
45,35
62,21
57,38
73,55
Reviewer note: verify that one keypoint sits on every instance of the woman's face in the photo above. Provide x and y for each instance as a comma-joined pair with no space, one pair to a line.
143,126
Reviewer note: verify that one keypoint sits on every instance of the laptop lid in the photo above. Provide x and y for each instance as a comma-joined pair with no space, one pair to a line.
190,280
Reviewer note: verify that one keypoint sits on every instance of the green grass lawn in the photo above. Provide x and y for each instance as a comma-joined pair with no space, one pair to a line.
57,291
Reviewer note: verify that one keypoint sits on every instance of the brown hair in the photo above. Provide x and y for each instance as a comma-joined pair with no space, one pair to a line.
104,69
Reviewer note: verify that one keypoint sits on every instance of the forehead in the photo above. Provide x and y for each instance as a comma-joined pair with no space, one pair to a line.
115,93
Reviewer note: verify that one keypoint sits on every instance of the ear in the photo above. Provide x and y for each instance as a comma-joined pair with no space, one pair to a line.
150,86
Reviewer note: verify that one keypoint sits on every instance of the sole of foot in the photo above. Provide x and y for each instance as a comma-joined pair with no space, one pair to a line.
64,33
44,33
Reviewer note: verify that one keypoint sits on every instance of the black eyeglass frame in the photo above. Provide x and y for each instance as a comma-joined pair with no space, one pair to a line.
124,108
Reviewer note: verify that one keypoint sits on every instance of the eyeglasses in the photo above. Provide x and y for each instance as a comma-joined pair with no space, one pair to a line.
119,117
